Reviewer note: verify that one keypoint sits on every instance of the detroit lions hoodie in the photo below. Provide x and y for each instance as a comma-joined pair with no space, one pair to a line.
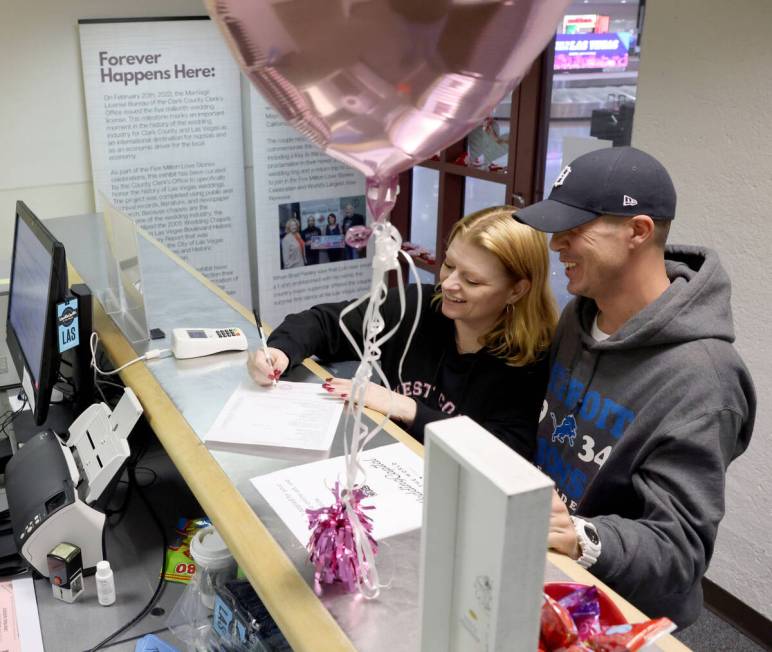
637,432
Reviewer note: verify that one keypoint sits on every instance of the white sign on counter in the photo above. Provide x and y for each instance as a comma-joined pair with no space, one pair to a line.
483,544
393,485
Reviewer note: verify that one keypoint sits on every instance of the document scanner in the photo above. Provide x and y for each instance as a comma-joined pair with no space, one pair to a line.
53,488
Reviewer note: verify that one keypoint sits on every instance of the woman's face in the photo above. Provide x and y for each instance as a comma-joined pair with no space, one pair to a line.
293,226
476,286
331,219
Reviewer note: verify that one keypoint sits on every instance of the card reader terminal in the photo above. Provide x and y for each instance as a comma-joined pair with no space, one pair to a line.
195,342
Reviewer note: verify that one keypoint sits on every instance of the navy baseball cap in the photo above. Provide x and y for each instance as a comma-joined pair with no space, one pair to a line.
613,181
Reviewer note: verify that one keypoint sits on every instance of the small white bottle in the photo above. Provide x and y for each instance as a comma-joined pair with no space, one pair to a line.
105,583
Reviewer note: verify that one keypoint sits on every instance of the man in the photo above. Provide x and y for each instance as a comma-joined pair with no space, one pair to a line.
350,218
311,230
648,402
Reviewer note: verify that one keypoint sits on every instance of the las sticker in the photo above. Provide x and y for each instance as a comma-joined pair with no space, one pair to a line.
67,324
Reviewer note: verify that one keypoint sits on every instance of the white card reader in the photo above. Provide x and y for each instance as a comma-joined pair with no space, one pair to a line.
195,342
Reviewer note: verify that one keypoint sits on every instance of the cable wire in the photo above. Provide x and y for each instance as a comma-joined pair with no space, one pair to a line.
94,343
154,598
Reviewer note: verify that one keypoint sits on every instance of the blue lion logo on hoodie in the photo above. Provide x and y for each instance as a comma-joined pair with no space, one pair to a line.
566,429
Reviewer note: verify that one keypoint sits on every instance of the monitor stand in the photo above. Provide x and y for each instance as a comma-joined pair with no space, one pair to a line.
24,428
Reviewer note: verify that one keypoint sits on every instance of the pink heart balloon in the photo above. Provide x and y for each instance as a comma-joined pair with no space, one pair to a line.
384,84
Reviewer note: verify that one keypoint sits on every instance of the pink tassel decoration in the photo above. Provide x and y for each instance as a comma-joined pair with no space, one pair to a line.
332,548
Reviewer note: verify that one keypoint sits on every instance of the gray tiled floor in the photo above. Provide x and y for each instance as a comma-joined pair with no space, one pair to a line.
712,634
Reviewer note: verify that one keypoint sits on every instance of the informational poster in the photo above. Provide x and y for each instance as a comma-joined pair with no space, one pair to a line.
163,99
305,202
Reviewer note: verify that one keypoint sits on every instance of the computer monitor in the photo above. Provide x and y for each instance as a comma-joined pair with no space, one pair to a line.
38,283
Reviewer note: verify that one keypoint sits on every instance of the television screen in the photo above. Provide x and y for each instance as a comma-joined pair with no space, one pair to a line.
592,51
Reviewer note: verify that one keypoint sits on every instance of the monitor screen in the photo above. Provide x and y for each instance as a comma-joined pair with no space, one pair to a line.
27,315
38,283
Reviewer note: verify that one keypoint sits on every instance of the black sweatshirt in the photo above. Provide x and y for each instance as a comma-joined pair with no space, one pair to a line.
505,400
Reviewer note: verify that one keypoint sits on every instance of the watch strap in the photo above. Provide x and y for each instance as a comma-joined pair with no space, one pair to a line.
589,542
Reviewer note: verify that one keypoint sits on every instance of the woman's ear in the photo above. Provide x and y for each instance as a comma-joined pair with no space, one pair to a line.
519,290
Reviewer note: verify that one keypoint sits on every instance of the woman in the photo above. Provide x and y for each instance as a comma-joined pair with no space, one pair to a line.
293,249
481,345
332,228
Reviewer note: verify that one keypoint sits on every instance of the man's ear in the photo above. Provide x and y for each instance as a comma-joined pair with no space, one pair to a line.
642,230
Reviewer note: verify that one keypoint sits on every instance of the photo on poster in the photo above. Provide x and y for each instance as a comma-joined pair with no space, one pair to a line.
313,232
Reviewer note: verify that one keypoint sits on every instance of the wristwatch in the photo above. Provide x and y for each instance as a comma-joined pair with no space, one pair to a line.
589,542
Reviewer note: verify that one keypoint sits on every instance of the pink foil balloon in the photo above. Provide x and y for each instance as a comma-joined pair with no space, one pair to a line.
384,84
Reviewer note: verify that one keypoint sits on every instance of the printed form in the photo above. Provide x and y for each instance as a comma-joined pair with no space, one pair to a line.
290,415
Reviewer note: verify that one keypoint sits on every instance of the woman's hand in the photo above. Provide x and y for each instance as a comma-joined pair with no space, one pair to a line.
378,398
262,372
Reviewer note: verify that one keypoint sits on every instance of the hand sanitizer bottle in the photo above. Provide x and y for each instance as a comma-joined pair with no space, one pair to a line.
105,583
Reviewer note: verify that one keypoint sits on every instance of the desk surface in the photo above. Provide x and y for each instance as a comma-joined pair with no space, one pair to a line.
182,398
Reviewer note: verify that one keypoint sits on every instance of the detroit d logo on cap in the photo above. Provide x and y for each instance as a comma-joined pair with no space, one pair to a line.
562,176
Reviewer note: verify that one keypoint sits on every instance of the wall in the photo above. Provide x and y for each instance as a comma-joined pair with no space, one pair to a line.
44,152
704,109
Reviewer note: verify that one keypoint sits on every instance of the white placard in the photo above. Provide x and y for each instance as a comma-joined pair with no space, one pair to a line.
483,544
163,99
393,482
294,179
290,415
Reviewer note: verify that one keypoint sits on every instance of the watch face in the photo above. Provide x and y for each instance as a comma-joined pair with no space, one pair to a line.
592,535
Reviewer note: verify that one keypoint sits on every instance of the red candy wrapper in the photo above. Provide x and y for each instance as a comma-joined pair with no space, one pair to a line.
629,638
332,548
557,627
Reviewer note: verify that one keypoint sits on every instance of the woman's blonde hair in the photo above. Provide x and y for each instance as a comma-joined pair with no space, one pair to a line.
289,221
522,334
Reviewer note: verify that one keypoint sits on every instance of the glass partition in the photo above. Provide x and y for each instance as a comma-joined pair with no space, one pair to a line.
123,297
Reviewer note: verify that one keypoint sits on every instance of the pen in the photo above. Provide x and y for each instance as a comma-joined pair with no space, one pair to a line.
264,343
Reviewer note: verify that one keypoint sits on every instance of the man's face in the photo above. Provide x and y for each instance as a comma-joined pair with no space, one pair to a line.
311,222
594,255
349,209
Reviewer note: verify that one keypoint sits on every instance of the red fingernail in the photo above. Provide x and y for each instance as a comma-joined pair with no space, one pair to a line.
277,373
344,395
330,389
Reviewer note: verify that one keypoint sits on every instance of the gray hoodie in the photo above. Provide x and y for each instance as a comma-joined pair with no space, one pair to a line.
637,432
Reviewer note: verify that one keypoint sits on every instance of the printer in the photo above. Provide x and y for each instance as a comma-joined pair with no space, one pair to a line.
54,488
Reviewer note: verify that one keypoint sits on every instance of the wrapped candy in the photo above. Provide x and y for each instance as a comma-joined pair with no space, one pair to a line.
557,627
574,623
333,545
631,637
584,607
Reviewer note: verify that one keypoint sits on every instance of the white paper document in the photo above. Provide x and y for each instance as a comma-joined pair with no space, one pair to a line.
19,624
288,416
394,484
